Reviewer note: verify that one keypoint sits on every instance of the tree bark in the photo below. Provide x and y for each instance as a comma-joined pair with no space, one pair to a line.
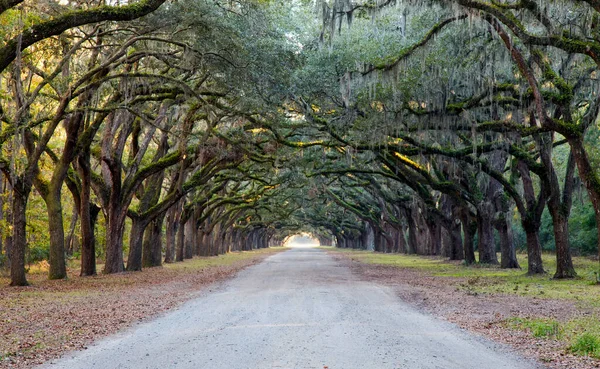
136,238
190,238
152,255
508,252
58,269
70,242
180,242
486,244
19,244
534,249
531,220
564,262
412,233
88,214
114,238
171,233
469,229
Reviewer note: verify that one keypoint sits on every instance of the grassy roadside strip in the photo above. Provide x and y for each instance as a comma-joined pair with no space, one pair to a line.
578,331
48,318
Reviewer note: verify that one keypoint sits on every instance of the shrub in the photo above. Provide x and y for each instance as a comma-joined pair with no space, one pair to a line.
37,253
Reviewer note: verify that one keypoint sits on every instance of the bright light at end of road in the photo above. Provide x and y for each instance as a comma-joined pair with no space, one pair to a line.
301,240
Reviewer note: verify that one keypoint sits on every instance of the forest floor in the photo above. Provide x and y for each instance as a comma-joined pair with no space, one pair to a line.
48,318
556,322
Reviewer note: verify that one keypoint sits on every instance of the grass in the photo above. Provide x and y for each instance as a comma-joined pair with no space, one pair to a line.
491,279
538,327
582,335
37,274
586,344
200,263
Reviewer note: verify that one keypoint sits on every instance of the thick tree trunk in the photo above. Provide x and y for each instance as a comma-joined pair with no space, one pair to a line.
531,220
190,238
402,246
58,268
19,244
88,238
559,206
88,214
456,242
377,244
435,236
508,252
534,249
564,262
114,239
171,233
485,232
136,238
201,242
152,255
469,229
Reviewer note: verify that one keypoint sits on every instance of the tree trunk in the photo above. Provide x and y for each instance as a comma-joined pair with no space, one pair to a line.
469,229
485,244
377,244
152,255
171,235
559,206
180,240
8,241
456,242
531,219
508,252
58,268
402,247
564,262
412,233
19,244
88,214
136,238
190,238
435,236
534,249
70,242
114,239
589,177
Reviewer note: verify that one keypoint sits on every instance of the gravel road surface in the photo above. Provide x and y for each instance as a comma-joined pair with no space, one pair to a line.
298,309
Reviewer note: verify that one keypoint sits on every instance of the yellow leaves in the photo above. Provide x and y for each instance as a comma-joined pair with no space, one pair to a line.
377,106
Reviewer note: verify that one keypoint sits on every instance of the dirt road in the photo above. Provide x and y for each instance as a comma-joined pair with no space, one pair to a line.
298,309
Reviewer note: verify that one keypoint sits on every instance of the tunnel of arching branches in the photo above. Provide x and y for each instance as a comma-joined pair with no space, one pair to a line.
146,132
